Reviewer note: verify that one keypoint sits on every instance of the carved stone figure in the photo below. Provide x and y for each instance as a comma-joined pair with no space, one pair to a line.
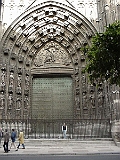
19,80
2,100
3,78
27,82
84,102
11,78
26,102
92,101
10,100
18,103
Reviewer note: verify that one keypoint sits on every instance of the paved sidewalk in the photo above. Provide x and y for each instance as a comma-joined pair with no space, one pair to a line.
65,147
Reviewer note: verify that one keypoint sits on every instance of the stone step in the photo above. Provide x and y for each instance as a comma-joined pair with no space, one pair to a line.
55,142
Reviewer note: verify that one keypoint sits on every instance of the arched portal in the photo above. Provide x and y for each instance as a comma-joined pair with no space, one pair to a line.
41,66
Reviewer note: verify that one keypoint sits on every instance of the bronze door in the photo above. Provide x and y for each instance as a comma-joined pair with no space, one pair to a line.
52,98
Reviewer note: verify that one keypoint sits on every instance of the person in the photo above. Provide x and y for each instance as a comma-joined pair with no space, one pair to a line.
1,135
13,138
6,141
64,130
21,139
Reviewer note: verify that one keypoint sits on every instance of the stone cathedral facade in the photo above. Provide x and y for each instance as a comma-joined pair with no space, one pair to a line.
41,60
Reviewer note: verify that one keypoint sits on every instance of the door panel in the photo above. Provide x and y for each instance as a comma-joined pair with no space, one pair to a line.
52,98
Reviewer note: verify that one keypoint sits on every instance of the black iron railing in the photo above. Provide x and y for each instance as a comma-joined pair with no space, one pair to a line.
76,128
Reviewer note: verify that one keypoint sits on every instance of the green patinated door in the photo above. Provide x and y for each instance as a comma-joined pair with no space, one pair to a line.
52,98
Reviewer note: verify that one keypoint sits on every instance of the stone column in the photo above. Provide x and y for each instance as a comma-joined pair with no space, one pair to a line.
1,16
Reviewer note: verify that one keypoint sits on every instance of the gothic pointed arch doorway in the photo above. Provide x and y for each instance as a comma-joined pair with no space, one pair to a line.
44,40
42,63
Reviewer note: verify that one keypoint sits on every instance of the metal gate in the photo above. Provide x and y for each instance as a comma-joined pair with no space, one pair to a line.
52,98
77,128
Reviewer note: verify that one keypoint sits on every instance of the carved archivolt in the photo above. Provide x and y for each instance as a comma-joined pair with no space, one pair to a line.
46,39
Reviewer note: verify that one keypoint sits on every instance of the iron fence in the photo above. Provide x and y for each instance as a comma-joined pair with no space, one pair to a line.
76,128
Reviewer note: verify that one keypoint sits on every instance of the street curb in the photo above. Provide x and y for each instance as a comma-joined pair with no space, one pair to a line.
65,154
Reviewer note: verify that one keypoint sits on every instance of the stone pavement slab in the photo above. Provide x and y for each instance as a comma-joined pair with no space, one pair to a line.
65,147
